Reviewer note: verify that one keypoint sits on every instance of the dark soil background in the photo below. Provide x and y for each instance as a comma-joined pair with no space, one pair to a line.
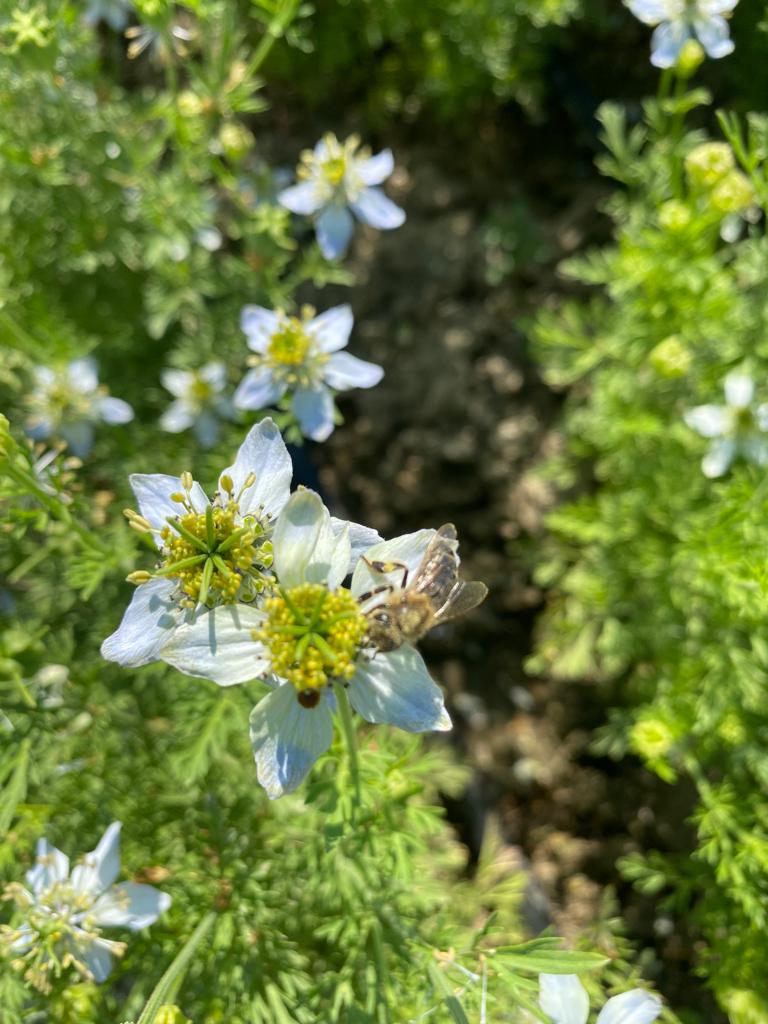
458,431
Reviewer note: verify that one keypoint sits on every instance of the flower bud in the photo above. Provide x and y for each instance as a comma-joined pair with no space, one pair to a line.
171,1015
235,140
733,193
674,216
651,738
670,358
690,58
706,164
139,577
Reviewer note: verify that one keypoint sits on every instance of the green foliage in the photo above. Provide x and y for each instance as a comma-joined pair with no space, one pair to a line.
659,572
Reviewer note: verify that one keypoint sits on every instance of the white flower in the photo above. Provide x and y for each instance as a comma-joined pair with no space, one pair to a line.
736,428
563,998
66,403
309,634
210,552
199,401
338,177
65,911
677,21
302,357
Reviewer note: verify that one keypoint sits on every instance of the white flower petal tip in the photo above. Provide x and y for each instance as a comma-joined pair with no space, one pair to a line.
331,329
372,207
146,625
346,371
287,739
99,868
396,689
634,1007
739,390
264,456
378,168
296,536
563,998
130,905
314,408
334,229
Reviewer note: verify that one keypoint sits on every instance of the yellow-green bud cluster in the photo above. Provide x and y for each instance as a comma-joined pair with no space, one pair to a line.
313,635
671,357
707,163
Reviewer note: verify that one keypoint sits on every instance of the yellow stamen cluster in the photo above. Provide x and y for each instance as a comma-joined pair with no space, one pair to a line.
290,344
313,635
225,574
335,170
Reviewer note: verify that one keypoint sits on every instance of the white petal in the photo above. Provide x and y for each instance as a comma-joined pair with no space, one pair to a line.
302,198
360,538
296,536
710,7
130,905
287,739
264,454
258,324
45,378
83,375
347,371
397,689
257,389
721,454
330,559
635,1007
148,622
115,410
177,417
79,437
377,168
739,390
563,998
178,382
761,416
332,328
51,866
334,230
214,374
667,42
714,36
206,428
99,868
96,955
219,645
408,549
651,12
153,493
313,408
372,207
708,420
27,937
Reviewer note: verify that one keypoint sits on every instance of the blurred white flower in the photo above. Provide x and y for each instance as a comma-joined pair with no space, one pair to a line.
335,178
66,403
737,428
199,403
565,1001
62,913
114,13
302,356
677,21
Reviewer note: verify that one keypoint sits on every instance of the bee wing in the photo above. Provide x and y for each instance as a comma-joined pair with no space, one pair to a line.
463,598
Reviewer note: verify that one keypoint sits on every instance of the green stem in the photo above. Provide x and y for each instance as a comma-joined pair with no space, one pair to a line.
350,739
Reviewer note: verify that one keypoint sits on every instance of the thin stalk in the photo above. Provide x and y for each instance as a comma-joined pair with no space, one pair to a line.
350,739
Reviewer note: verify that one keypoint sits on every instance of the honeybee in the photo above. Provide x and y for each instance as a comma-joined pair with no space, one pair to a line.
433,595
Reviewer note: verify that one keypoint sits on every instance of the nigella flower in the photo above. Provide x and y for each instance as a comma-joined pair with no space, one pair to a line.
335,178
199,403
677,21
66,403
565,1001
302,357
310,634
62,913
209,552
737,428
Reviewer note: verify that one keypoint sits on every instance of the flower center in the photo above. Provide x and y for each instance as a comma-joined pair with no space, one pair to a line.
215,560
200,390
313,635
334,170
290,344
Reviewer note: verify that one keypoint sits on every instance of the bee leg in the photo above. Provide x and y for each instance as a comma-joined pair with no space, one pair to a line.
386,588
384,568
